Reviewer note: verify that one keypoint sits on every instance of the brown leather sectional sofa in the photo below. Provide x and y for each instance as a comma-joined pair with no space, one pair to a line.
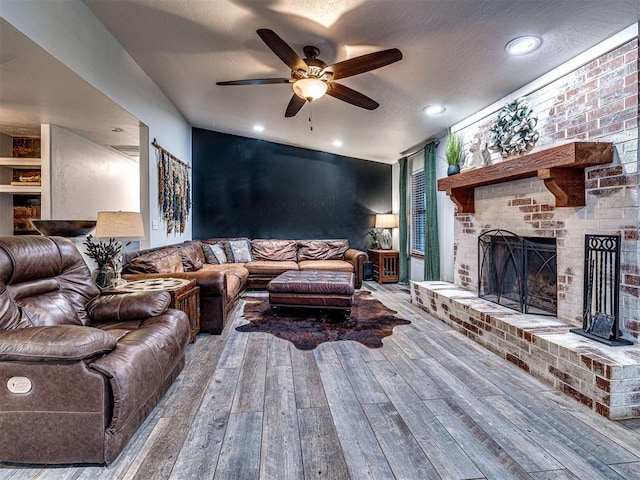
79,372
251,265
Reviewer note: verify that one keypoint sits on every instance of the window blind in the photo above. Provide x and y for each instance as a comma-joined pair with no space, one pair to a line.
418,213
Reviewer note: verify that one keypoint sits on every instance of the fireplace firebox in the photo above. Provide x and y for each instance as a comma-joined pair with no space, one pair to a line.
518,272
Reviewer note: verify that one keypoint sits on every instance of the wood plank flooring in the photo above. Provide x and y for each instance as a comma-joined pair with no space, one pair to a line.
429,404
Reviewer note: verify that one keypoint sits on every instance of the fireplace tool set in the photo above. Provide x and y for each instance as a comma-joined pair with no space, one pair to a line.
602,291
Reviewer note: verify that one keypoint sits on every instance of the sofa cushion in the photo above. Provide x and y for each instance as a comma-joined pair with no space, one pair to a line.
277,250
239,251
325,265
322,249
60,343
238,268
44,303
268,267
165,260
235,275
214,254
191,255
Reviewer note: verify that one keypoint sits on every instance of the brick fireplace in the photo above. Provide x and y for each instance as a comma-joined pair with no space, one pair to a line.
597,102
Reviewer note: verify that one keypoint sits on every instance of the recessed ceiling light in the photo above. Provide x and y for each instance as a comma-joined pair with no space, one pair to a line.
258,128
337,143
522,45
434,109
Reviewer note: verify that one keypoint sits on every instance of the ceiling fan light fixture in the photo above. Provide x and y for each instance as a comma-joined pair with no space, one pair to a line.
523,45
309,88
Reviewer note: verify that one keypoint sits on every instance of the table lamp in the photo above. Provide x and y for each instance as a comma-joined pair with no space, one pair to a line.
386,222
119,226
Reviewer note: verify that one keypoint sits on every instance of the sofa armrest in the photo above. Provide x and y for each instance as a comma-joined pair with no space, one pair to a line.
142,363
128,306
357,259
54,343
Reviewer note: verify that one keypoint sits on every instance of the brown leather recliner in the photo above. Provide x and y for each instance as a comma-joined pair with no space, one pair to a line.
79,372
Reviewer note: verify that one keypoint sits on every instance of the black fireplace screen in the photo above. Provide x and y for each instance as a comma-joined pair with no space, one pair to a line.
518,272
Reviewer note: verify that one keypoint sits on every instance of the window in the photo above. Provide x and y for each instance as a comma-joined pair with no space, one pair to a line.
418,213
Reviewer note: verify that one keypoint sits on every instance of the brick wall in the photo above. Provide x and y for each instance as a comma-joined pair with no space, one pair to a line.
597,102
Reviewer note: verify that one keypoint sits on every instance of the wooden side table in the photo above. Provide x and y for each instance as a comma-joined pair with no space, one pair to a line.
185,296
386,264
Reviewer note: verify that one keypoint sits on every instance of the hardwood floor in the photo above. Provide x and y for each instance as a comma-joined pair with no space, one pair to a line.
430,404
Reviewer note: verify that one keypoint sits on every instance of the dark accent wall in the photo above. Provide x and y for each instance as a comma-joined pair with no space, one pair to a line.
259,189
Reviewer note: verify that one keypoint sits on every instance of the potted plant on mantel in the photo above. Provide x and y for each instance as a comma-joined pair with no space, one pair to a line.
454,153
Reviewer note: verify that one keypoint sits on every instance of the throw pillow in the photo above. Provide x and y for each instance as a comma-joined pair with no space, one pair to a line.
208,254
218,254
240,251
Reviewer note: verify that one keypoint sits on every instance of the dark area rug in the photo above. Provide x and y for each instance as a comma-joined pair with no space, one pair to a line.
369,323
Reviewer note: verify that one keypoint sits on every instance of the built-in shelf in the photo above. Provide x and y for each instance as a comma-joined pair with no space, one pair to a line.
561,168
13,162
20,190
20,163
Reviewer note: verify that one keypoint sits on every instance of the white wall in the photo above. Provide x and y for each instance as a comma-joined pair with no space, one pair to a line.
395,201
101,178
445,220
69,31
446,210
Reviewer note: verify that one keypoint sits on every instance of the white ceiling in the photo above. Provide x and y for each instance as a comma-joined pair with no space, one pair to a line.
35,89
453,54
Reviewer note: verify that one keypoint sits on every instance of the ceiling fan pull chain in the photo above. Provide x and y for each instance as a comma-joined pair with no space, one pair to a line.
310,117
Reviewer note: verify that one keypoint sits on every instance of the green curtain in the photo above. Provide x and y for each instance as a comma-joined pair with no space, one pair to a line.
402,223
431,248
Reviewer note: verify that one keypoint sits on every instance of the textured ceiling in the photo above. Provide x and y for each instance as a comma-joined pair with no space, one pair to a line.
453,54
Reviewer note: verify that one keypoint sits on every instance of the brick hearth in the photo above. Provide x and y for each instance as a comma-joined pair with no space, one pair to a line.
605,379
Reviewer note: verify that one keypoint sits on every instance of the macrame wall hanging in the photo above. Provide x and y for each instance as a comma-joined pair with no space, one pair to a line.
174,190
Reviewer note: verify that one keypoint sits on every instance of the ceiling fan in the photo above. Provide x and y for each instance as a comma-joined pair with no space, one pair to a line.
312,78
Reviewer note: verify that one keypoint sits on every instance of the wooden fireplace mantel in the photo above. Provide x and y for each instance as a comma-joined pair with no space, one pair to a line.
561,168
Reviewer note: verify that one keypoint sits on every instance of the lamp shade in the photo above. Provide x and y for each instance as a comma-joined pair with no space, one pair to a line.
120,225
387,220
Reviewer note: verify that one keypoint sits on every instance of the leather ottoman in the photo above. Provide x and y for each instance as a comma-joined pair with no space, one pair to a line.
312,289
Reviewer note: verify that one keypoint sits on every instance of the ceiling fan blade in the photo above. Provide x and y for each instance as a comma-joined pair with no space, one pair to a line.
349,95
295,104
364,63
256,81
282,49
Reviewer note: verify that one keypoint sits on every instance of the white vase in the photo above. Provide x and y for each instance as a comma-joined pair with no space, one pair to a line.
385,239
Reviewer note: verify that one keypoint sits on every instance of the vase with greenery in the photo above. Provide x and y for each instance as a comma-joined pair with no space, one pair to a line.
104,254
454,152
